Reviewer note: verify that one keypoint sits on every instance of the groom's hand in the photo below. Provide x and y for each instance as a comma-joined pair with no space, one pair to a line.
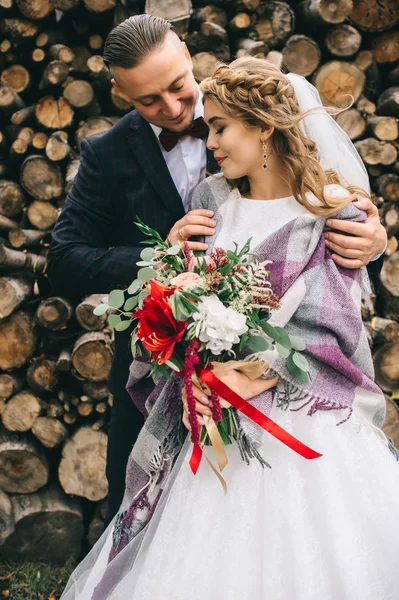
195,222
358,243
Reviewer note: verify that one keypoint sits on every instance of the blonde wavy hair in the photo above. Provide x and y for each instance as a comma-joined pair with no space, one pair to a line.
258,93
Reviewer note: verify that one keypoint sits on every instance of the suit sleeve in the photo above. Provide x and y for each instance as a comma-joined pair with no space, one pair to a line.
81,259
374,267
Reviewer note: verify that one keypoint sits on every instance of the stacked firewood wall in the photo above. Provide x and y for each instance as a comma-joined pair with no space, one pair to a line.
55,91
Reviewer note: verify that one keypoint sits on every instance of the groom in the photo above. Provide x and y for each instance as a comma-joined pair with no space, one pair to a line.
147,166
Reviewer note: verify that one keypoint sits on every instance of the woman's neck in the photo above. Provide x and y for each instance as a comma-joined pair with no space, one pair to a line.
270,183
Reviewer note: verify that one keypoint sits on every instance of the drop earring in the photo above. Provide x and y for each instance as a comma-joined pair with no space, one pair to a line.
264,150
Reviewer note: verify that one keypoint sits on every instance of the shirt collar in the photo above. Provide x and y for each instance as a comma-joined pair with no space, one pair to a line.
198,112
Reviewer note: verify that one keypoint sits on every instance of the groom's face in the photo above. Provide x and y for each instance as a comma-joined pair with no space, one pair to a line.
162,87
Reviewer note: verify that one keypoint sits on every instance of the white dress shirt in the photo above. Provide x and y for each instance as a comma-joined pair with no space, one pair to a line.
187,160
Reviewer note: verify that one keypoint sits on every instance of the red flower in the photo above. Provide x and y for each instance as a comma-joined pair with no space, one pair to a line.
157,328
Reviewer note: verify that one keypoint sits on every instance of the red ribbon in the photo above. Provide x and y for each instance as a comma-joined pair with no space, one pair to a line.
252,413
195,459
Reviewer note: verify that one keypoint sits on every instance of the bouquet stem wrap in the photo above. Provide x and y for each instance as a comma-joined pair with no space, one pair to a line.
213,382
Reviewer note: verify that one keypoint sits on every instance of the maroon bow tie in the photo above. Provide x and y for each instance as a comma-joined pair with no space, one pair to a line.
197,129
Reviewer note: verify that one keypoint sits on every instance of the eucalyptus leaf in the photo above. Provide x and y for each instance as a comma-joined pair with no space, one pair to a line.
297,343
300,361
147,254
146,273
101,309
116,298
284,338
173,250
296,372
141,297
282,350
131,303
113,320
134,287
144,263
257,343
270,331
122,325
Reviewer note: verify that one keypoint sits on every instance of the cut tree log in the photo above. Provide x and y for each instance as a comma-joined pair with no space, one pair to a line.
339,83
54,113
25,115
18,30
82,467
301,55
7,518
85,316
384,330
388,103
386,366
275,23
13,291
92,355
17,77
389,287
39,140
47,515
392,246
391,424
366,106
49,431
385,47
208,14
10,101
352,122
388,187
71,172
17,340
178,13
42,215
26,238
80,95
23,465
54,313
91,126
204,64
37,9
97,390
323,12
10,384
96,526
343,40
41,178
375,152
99,6
57,147
13,259
383,128
374,16
42,375
12,198
61,52
54,74
64,361
21,411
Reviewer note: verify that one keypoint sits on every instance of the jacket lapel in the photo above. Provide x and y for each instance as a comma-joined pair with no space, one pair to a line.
145,147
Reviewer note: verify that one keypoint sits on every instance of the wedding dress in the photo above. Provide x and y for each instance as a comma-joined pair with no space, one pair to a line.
300,530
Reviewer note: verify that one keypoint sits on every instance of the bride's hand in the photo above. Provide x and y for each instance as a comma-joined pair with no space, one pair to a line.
203,405
238,382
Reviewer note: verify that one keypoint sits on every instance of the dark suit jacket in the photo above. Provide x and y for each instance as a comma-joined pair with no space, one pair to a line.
95,243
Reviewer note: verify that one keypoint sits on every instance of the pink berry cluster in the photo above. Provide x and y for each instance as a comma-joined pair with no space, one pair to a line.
190,361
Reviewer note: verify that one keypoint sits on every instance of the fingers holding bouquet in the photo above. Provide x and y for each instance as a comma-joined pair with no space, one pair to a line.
203,405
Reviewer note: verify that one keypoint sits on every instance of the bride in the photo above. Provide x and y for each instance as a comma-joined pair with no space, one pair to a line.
288,529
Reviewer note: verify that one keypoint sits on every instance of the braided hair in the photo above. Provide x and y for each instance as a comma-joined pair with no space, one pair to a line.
258,93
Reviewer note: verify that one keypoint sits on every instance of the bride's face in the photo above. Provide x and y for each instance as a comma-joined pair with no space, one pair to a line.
236,146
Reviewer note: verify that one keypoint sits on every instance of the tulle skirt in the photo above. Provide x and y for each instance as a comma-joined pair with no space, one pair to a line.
302,530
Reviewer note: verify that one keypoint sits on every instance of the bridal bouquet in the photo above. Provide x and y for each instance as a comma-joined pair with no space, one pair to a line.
190,310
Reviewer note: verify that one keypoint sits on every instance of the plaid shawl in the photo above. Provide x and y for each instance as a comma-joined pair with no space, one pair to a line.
320,302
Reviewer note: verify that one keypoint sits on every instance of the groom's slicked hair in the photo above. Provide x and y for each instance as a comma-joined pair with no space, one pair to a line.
134,39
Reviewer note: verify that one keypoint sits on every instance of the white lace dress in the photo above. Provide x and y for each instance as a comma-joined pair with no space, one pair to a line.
302,530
